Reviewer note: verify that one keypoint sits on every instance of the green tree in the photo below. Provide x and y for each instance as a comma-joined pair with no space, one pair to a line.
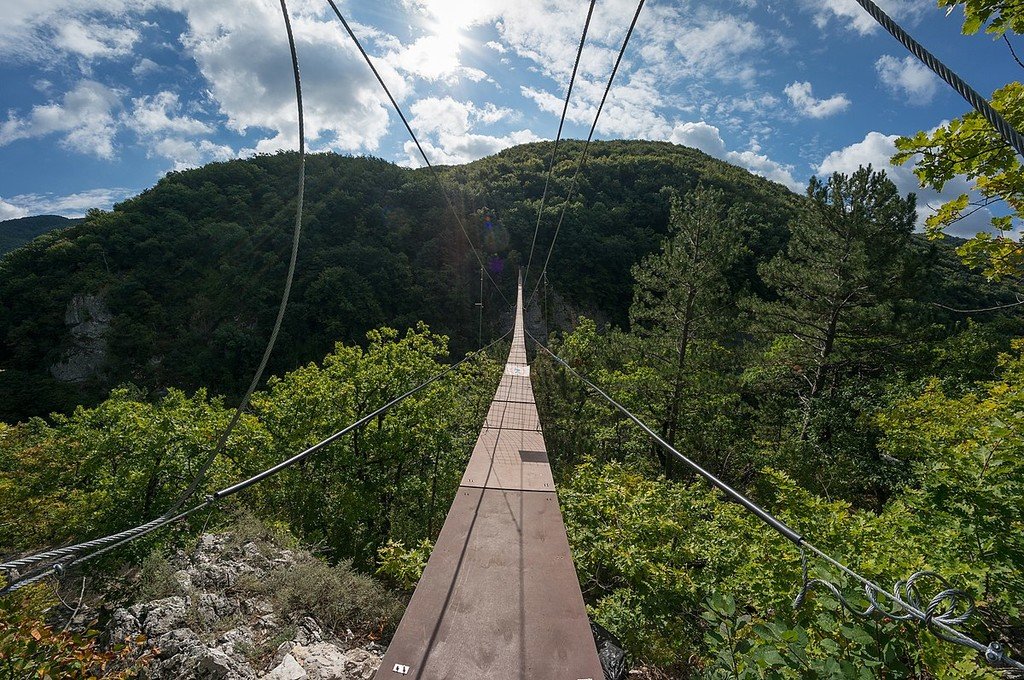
969,146
836,285
683,313
393,478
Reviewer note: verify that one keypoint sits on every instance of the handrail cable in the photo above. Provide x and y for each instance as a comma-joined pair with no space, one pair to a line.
931,615
558,138
416,141
169,515
586,148
105,545
980,103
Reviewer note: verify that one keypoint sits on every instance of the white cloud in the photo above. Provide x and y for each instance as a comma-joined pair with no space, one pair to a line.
158,114
852,16
444,127
9,211
716,45
242,53
803,100
85,117
876,149
43,30
165,133
907,77
94,40
708,139
70,205
145,67
433,58
184,153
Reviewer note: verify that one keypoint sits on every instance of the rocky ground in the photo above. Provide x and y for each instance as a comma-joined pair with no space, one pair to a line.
220,625
242,605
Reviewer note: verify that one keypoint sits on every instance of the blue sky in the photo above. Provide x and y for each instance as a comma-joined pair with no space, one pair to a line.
102,97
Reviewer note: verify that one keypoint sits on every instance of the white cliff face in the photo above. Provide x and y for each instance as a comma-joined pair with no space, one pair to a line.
88,321
217,629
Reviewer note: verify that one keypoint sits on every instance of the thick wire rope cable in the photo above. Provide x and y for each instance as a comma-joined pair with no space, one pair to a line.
586,149
416,141
116,540
930,616
558,137
244,403
970,95
143,529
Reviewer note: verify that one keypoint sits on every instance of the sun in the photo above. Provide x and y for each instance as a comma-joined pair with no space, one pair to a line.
448,19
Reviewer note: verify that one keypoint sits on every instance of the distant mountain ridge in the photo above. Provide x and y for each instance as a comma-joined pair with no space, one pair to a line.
17,232
184,280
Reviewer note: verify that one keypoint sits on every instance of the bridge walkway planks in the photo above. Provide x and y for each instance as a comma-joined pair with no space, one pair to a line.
499,597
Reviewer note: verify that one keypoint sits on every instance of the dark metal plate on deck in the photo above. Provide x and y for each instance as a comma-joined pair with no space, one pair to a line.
496,462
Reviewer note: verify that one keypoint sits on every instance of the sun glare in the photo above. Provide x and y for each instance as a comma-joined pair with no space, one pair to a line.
448,18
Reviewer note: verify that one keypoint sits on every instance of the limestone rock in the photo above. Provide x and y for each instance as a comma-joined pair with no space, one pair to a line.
288,669
88,321
218,630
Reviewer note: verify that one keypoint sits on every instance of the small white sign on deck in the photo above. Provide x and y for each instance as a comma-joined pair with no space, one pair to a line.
517,370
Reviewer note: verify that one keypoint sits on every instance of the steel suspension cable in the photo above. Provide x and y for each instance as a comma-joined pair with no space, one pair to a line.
416,141
980,103
931,616
296,232
586,148
558,137
114,541
170,515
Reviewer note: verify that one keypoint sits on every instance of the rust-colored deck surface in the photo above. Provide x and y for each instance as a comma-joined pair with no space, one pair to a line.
499,597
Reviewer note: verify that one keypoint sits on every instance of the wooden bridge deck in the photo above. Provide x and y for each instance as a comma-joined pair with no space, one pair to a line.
499,597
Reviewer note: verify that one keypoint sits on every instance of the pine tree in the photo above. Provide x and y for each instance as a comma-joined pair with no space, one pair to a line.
683,307
837,281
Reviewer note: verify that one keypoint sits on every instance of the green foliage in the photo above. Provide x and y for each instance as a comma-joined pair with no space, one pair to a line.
969,462
191,270
395,476
404,566
674,570
838,284
17,232
29,648
88,473
970,146
842,394
683,315
100,469
337,596
996,16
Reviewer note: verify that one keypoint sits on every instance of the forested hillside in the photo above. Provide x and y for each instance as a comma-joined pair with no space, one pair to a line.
184,280
807,349
17,232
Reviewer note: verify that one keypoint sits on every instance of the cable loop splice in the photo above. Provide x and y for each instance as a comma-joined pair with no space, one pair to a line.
943,608
938,621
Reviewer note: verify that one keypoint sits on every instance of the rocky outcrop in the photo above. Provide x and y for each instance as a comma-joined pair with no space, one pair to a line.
219,626
88,321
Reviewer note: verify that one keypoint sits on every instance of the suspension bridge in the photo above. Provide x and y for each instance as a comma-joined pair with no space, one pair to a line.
499,597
